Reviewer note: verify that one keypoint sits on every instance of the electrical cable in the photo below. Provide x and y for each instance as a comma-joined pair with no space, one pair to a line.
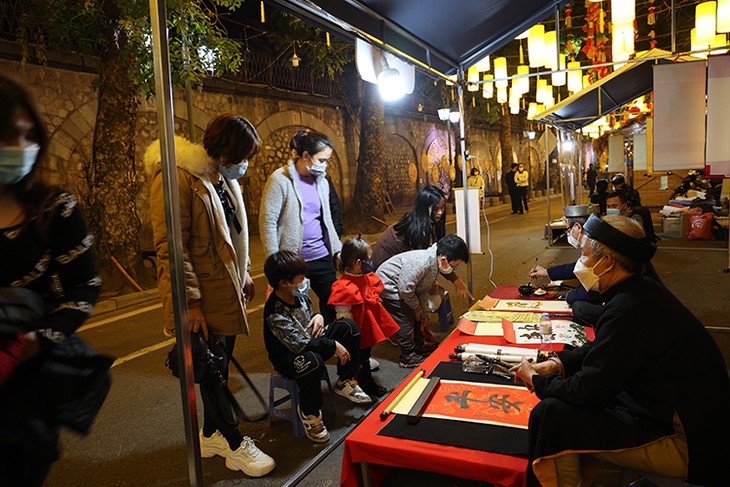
489,230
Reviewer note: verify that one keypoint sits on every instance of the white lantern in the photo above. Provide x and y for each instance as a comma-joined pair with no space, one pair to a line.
623,11
723,15
502,95
524,35
536,45
500,72
622,46
488,88
523,83
697,49
559,78
550,51
472,76
514,109
483,64
575,82
531,110
705,23
541,90
720,42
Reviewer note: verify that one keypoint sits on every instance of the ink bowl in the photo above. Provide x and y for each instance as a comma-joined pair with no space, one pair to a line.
526,289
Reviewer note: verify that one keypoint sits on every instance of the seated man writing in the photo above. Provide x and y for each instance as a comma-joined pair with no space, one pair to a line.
586,305
651,392
298,342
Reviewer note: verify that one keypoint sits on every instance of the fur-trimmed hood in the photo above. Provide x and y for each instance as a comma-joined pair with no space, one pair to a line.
189,156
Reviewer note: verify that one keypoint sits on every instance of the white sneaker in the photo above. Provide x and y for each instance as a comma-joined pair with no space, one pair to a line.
215,445
352,391
374,365
249,459
314,427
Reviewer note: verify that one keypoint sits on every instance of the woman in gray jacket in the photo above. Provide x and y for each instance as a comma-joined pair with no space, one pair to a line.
295,214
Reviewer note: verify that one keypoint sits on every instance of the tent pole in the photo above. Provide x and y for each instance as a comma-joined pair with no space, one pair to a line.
547,183
165,122
674,27
464,172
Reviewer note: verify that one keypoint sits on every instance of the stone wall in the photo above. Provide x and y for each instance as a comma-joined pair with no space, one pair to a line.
418,151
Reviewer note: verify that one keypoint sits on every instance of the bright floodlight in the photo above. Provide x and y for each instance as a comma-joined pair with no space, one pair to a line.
454,117
391,84
444,114
567,145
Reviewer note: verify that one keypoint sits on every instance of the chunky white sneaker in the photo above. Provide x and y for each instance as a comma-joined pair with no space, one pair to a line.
352,391
314,427
374,364
249,459
215,445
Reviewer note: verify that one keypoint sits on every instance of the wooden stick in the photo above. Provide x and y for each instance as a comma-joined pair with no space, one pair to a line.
126,274
414,415
401,395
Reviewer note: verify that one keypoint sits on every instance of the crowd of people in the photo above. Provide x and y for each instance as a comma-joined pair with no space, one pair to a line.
635,396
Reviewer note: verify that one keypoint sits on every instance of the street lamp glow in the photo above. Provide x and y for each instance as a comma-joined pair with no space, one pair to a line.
390,84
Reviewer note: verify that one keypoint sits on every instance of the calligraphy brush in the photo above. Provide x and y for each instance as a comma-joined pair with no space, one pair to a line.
533,267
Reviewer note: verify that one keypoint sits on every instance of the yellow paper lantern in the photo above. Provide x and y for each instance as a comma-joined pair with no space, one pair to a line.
483,64
720,42
536,45
514,109
523,83
698,50
541,91
623,11
622,43
586,80
559,78
502,95
488,88
472,76
500,71
705,23
575,81
723,15
524,35
531,110
550,51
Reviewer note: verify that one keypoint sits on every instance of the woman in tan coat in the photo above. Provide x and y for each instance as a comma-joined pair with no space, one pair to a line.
215,261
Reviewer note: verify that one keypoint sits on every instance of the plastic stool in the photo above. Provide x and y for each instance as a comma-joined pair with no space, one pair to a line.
278,381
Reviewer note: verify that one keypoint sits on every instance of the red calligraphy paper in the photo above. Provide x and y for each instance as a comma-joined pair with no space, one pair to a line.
482,403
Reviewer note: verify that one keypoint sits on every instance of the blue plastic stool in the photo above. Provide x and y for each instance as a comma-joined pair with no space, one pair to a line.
278,381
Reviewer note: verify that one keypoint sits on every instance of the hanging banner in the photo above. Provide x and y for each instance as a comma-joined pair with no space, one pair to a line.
718,117
650,144
640,152
679,116
616,153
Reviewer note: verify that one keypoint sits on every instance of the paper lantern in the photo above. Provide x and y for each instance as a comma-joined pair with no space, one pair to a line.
472,76
575,78
531,110
502,95
559,78
623,11
622,44
550,51
723,15
514,109
500,71
549,101
483,64
523,83
705,23
697,50
720,42
524,35
488,88
536,45
541,90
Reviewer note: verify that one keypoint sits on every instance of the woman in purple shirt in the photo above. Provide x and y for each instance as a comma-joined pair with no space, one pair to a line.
295,213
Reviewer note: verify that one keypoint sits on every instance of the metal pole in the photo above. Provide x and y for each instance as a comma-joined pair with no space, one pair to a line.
674,28
165,121
464,173
547,183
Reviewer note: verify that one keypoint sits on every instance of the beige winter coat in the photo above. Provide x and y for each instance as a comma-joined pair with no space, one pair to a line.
215,265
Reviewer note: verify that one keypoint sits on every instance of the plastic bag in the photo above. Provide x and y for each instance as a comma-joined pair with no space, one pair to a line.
700,227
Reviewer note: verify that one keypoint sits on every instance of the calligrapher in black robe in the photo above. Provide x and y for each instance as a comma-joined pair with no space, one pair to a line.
651,359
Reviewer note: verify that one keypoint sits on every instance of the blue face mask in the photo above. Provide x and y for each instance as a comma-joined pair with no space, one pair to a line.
302,289
613,211
234,171
366,267
16,162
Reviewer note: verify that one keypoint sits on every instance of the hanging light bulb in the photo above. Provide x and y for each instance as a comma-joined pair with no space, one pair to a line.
723,15
536,45
559,78
575,81
623,11
550,51
502,95
295,59
472,76
500,71
705,22
523,83
483,64
488,88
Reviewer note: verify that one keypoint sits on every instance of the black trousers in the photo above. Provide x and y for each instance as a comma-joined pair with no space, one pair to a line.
522,198
306,367
514,200
217,411
322,274
24,465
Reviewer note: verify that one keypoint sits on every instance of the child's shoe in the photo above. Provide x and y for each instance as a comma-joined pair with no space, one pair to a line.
314,427
352,391
412,360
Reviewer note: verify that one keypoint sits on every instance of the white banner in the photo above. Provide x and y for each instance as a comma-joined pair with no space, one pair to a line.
640,152
616,153
718,116
650,144
475,233
679,116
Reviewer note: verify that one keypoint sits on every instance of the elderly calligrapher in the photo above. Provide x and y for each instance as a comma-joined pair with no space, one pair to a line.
651,392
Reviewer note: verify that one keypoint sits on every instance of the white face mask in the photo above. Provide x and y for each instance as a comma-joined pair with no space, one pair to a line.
587,276
16,162
445,270
575,242
317,169
302,289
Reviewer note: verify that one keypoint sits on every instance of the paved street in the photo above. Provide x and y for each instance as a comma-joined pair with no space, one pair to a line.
138,438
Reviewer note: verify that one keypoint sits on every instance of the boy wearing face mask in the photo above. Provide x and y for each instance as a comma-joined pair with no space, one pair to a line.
298,343
407,277
619,203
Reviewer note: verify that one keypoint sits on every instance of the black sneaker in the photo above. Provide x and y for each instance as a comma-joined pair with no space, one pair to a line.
412,360
426,349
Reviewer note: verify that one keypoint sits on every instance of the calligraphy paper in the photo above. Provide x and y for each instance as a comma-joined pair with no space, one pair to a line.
534,306
529,333
496,316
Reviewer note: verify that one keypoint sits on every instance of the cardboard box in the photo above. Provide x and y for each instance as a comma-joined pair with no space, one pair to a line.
672,227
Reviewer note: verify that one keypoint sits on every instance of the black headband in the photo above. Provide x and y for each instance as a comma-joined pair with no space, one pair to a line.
637,249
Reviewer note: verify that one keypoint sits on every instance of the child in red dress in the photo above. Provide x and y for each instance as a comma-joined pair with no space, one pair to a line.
356,295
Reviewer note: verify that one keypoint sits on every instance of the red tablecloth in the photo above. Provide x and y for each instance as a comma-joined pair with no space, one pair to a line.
381,452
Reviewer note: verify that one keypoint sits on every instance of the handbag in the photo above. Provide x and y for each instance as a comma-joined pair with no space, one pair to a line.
208,366
445,312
